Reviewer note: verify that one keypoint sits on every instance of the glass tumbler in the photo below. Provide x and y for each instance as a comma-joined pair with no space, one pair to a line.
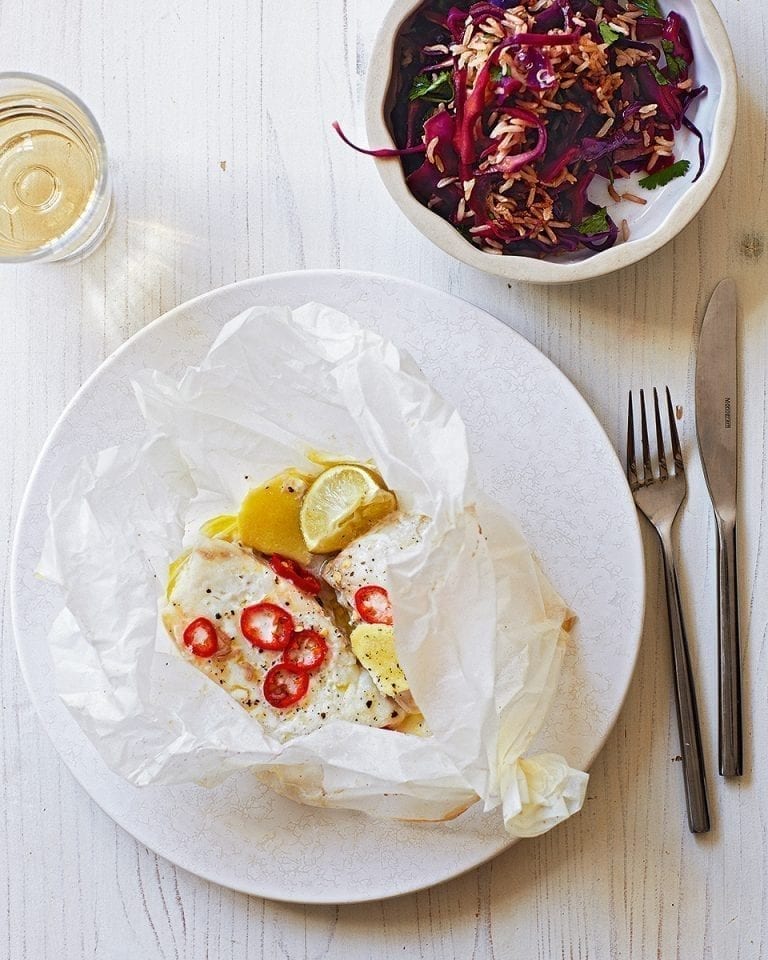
55,195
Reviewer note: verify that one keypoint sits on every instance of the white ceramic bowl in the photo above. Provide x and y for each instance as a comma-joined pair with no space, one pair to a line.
668,209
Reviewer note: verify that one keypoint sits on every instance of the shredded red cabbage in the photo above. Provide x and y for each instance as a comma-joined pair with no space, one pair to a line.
504,134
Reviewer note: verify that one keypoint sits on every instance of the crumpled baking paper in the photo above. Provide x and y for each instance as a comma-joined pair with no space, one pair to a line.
479,629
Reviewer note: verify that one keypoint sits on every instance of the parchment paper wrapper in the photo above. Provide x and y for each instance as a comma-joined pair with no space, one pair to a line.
479,629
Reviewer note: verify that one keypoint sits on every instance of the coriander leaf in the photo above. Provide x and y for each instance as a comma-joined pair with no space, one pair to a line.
675,65
607,32
438,87
650,8
660,78
662,177
496,73
596,222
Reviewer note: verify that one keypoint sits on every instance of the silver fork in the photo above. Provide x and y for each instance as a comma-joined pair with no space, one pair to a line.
659,498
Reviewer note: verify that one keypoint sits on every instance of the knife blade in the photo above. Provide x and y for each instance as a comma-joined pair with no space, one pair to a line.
717,430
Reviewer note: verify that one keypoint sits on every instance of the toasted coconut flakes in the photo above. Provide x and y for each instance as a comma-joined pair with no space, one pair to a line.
559,224
460,211
624,231
646,139
507,185
492,26
649,110
551,104
573,107
633,198
468,185
531,196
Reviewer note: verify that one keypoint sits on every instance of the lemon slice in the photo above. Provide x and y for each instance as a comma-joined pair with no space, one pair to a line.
343,503
374,646
326,460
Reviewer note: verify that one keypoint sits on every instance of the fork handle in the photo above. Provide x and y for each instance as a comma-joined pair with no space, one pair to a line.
731,751
685,697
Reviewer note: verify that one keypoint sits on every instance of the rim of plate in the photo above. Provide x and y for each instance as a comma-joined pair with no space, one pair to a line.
372,893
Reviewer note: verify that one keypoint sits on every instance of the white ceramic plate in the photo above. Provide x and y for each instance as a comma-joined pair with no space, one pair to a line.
667,210
538,449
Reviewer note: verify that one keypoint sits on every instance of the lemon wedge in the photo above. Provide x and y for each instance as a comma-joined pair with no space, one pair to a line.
374,646
269,516
343,503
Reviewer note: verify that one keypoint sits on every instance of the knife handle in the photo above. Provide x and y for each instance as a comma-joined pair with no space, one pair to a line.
694,775
731,747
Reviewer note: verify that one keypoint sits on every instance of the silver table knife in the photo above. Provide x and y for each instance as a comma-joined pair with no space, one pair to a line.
717,428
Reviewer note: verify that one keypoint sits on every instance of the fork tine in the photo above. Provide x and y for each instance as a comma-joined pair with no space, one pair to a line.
663,474
631,465
647,472
675,440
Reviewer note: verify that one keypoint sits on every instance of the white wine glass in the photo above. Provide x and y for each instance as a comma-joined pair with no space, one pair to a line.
55,193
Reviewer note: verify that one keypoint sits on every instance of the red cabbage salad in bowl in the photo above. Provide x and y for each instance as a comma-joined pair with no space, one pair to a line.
506,113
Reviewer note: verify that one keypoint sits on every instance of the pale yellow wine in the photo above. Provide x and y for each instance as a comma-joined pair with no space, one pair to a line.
48,173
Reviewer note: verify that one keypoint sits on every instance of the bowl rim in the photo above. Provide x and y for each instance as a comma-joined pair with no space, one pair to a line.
528,269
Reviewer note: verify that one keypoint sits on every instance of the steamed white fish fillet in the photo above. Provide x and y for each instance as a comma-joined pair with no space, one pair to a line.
365,561
217,581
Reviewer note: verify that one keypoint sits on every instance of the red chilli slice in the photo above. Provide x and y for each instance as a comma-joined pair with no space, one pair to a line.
201,638
266,626
285,685
373,605
306,650
303,579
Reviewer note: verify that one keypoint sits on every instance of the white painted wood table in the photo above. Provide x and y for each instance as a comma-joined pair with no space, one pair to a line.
218,119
